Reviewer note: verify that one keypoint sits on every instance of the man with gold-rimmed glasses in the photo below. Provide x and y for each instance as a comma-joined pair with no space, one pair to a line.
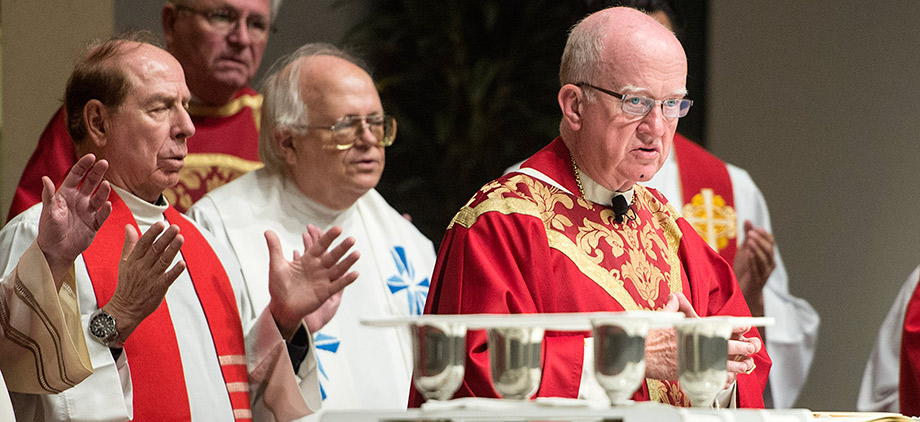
323,138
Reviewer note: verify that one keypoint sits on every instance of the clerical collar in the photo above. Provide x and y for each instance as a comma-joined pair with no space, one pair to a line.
598,194
142,210
307,207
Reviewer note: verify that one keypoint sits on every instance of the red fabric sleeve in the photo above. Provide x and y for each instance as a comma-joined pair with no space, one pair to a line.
53,157
909,385
713,290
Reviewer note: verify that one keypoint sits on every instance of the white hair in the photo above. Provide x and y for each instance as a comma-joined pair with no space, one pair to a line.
282,106
582,58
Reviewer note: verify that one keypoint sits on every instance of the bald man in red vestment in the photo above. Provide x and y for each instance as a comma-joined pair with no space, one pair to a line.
552,237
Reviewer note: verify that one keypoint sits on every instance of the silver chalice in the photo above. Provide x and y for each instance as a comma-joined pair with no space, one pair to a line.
515,359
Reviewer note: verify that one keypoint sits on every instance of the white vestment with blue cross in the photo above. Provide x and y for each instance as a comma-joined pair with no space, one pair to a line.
360,367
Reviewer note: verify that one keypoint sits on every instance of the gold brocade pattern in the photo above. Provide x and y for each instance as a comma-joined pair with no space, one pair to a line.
253,102
203,173
638,255
667,392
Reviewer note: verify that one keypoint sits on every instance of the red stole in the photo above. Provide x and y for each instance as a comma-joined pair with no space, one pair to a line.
707,195
909,385
156,368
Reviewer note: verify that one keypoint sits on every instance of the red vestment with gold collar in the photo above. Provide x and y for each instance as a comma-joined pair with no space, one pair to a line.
521,245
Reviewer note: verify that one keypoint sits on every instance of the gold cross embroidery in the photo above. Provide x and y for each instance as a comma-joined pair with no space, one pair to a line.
712,219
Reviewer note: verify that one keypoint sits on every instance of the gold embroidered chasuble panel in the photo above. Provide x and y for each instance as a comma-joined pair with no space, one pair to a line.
636,262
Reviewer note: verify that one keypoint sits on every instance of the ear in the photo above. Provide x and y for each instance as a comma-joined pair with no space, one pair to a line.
95,117
570,101
284,141
168,18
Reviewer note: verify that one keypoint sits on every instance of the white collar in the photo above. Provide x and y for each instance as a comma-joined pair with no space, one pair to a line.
310,208
598,194
144,212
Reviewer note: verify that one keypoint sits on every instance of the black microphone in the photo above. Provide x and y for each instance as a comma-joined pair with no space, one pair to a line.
620,207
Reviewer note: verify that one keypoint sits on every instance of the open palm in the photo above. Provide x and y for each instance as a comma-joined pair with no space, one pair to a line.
303,285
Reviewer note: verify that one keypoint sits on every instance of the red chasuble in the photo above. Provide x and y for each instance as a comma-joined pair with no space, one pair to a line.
225,146
909,385
708,198
521,245
53,157
157,378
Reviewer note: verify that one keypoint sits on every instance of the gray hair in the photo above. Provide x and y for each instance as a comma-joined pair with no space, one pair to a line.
274,5
582,58
282,106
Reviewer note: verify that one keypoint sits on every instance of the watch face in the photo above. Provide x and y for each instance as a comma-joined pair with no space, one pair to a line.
102,326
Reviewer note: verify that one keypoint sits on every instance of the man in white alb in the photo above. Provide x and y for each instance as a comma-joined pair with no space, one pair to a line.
322,140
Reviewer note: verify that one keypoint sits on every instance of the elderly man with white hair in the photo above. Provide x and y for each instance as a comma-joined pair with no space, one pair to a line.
322,140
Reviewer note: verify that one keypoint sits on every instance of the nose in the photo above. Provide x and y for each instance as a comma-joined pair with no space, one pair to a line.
654,123
366,135
183,128
239,34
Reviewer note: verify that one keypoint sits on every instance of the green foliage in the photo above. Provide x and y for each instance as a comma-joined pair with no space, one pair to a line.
473,86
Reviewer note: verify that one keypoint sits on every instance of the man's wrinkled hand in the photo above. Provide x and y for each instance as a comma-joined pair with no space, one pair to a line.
72,215
661,344
305,284
143,278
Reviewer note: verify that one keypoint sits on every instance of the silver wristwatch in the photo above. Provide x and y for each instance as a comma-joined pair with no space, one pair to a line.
102,328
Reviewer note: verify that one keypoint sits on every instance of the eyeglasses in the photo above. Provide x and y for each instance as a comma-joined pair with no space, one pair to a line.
349,128
225,19
640,106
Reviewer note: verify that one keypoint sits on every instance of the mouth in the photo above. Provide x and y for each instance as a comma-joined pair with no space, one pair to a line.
234,60
647,151
174,163
366,164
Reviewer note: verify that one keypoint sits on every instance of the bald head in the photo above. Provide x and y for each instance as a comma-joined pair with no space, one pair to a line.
616,52
617,40
325,79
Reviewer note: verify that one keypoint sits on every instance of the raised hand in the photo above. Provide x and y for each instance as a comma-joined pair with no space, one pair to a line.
753,264
143,277
304,285
73,214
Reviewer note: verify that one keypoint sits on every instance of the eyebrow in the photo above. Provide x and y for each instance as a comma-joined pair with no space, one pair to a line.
165,99
227,6
632,89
